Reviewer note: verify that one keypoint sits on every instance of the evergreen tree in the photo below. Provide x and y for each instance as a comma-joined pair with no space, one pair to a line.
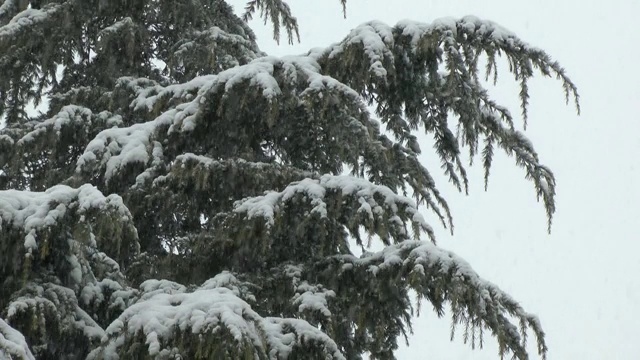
184,195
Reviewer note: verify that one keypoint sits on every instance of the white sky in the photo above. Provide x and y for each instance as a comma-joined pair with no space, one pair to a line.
583,279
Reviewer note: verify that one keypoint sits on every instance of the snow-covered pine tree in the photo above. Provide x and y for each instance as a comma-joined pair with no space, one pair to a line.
183,195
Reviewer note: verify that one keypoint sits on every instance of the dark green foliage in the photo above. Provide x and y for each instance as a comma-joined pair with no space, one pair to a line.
238,180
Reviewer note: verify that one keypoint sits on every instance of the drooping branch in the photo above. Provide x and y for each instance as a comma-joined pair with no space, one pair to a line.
314,123
13,344
210,321
313,218
280,15
287,126
438,276
127,40
418,74
50,312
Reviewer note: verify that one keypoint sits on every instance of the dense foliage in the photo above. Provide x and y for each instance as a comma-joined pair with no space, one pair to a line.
184,195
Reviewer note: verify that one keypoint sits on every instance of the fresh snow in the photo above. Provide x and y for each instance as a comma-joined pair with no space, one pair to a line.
377,40
27,18
55,299
452,27
313,298
116,27
115,148
34,211
216,34
67,116
161,306
417,256
267,205
13,344
159,316
310,297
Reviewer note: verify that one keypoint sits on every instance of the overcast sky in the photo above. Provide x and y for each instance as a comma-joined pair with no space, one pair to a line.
583,279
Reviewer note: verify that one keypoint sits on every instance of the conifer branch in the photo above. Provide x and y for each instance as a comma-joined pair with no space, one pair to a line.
399,66
13,343
225,159
211,313
279,13
475,303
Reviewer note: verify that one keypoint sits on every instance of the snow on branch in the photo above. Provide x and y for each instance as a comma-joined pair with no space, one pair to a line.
65,224
306,339
423,47
46,151
313,298
113,149
214,34
28,18
214,45
419,74
106,298
69,116
53,313
8,8
375,39
266,73
307,299
227,280
237,177
30,212
119,27
211,317
190,107
440,277
53,242
53,258
13,344
461,40
372,204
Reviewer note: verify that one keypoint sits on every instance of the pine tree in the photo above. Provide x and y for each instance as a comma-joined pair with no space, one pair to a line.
184,195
